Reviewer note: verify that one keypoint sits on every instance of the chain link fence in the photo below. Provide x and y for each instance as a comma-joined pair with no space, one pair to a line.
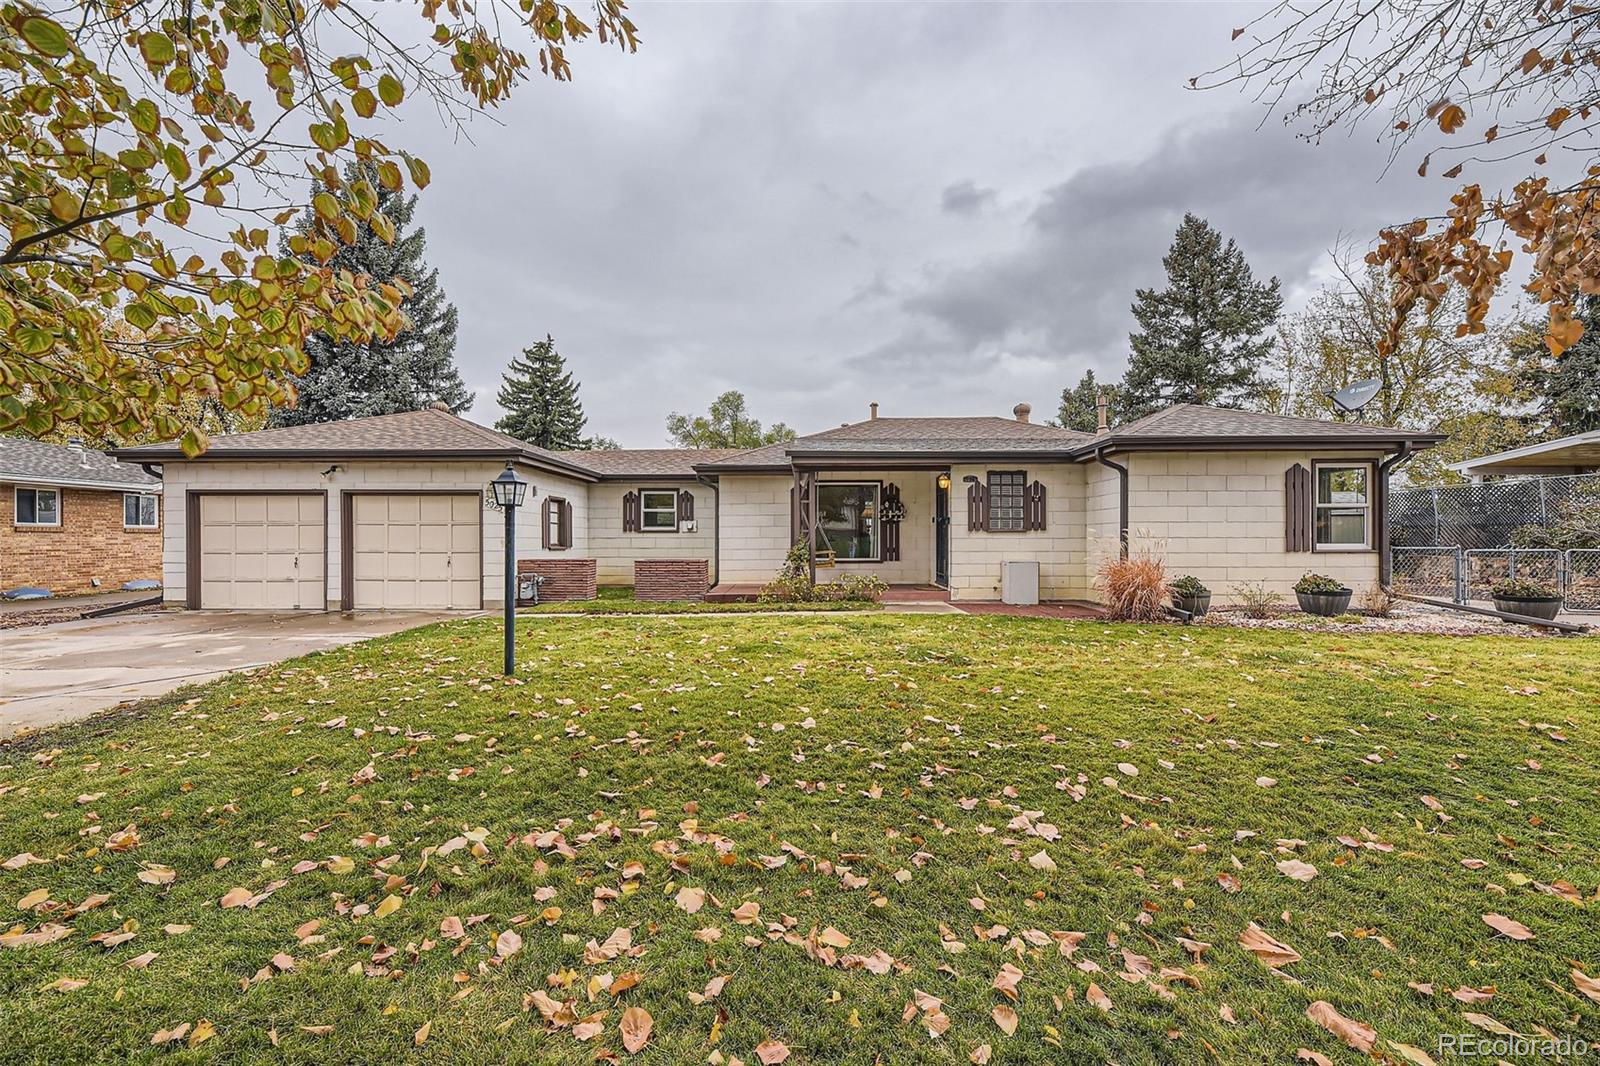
1484,515
1447,572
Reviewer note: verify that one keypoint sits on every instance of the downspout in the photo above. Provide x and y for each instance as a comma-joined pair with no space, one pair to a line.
1398,459
716,532
1122,478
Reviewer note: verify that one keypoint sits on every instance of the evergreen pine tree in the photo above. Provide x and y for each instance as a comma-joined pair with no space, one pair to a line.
1567,386
409,373
541,400
1204,337
1080,404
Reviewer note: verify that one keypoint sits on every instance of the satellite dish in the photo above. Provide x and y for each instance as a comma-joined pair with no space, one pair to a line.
1354,397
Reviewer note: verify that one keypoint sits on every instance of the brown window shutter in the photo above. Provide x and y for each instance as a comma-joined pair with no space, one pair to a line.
544,524
1035,499
564,523
1297,509
630,512
978,506
685,507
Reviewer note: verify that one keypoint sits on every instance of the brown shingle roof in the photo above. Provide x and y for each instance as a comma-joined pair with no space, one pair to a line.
909,436
429,434
648,462
1199,425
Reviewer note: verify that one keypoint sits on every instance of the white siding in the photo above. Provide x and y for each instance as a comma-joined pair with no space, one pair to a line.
615,551
755,526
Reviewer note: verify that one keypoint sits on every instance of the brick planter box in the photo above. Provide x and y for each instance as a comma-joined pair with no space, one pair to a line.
564,579
670,579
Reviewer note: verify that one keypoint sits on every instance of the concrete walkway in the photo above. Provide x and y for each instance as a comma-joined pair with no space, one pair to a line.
57,673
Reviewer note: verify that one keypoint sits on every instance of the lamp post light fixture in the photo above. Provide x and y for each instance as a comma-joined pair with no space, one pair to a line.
509,492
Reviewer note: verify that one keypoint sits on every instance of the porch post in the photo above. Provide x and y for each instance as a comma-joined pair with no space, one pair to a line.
811,524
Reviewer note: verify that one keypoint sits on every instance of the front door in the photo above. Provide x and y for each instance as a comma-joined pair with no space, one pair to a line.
941,535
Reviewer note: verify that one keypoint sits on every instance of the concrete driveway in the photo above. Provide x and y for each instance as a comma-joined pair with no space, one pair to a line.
56,673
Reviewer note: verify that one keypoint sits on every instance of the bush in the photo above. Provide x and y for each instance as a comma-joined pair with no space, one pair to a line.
1135,588
1255,599
1576,524
1521,588
1188,585
1379,602
794,585
1319,585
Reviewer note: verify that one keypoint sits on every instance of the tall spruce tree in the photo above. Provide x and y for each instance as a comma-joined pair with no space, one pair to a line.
1567,386
409,373
1205,337
1080,403
541,401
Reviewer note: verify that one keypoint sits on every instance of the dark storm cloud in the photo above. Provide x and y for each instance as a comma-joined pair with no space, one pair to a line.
965,198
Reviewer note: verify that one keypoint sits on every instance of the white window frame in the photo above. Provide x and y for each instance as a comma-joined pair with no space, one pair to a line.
154,523
16,510
1317,506
645,510
877,516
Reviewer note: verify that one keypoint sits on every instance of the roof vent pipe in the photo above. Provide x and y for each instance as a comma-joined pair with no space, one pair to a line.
76,444
874,409
1022,411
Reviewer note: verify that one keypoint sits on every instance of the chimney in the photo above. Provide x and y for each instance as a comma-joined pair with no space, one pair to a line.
1022,411
439,405
874,407
1102,408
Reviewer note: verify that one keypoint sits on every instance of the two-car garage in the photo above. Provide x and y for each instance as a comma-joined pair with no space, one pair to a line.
268,550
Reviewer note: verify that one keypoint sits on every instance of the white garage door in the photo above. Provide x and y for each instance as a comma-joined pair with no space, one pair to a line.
262,552
416,552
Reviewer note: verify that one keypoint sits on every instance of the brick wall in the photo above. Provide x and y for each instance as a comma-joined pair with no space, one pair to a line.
670,579
89,543
564,579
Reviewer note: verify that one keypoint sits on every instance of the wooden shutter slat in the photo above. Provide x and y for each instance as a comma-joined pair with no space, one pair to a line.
978,506
564,523
685,507
631,506
544,525
1036,509
891,527
1297,509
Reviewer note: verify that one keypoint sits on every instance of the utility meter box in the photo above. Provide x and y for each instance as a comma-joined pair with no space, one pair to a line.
1019,582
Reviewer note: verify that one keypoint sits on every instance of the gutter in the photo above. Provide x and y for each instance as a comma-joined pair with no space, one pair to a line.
1393,462
79,483
1122,478
716,533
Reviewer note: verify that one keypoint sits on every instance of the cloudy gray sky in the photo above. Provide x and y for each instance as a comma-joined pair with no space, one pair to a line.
940,207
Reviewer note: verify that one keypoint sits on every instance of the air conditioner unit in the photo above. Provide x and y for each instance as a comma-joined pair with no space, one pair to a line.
1019,582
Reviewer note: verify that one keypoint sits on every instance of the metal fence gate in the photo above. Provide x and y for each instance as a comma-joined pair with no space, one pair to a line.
1465,574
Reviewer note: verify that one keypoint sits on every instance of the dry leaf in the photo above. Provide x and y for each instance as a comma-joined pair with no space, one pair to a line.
390,904
420,1037
691,899
1508,927
1005,982
1295,870
1041,860
635,1028
771,1052
1587,985
1358,1036
1272,953
507,944
1097,997
1005,1018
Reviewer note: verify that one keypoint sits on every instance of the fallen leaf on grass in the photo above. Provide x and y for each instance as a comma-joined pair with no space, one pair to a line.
1097,997
1005,1018
66,984
1508,927
158,875
980,1055
1358,1036
33,899
772,1052
1412,1054
1316,1058
635,1027
420,1037
507,944
1272,953
691,899
1041,860
17,862
1295,870
139,962
1587,985
1005,982
1488,1024
390,904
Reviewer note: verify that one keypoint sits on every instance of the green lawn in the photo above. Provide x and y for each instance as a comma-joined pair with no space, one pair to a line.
885,789
618,599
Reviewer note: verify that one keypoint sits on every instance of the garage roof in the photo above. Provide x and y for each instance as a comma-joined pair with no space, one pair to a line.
428,434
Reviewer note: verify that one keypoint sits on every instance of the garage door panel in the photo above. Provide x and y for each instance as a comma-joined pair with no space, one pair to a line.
408,550
262,552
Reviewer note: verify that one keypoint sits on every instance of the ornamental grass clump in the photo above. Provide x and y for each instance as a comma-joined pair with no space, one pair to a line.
1134,588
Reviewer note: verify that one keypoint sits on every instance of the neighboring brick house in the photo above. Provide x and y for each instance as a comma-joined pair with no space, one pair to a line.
74,520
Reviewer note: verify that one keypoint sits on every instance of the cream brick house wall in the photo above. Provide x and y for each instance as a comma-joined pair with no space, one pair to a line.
755,526
467,476
614,551
1059,548
1220,516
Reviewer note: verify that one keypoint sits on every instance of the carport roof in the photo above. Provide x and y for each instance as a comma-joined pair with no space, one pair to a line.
429,434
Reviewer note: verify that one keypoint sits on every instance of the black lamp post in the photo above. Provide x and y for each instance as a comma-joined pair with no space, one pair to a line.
509,492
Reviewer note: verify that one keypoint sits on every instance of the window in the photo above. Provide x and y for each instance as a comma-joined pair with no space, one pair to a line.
1008,507
557,518
38,507
659,508
139,512
847,520
1343,506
